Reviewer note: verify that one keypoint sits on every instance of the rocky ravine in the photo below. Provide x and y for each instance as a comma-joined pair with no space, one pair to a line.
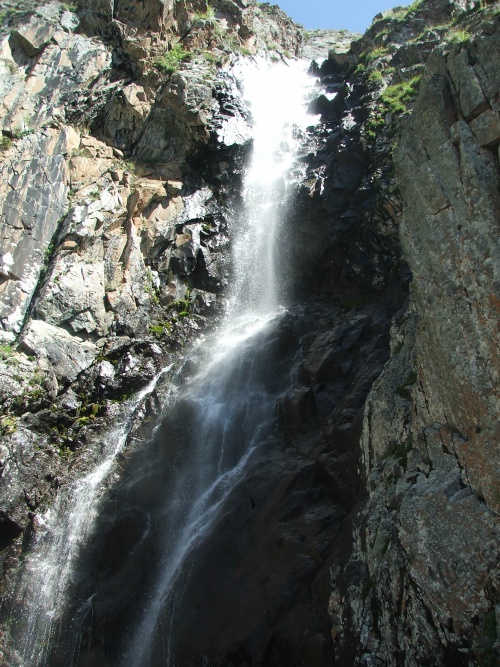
380,545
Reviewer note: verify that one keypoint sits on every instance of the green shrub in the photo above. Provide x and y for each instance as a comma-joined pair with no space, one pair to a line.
171,61
397,97
8,425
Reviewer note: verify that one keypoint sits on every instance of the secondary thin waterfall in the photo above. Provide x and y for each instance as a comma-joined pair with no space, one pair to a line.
49,569
227,409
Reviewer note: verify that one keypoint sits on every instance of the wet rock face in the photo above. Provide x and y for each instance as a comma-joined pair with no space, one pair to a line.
258,589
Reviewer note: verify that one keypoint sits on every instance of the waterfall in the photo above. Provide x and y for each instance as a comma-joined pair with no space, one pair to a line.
48,570
214,425
230,403
276,95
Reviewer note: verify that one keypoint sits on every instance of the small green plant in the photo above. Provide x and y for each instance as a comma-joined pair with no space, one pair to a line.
160,330
81,152
208,16
70,6
413,7
171,61
5,15
397,96
211,57
20,134
375,76
5,143
6,351
458,36
47,253
11,66
360,69
379,52
8,425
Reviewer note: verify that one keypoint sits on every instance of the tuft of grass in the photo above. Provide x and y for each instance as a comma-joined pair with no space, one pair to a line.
396,97
379,52
171,61
6,351
375,76
5,15
208,16
5,143
8,425
458,36
160,330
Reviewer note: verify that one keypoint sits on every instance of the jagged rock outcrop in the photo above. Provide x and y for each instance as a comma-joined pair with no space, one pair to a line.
422,584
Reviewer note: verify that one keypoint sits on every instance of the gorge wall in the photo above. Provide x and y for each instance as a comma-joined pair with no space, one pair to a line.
369,534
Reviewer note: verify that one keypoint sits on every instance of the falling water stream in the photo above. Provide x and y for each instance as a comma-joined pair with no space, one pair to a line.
61,532
229,402
232,398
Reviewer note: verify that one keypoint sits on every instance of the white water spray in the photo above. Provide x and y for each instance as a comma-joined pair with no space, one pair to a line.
277,95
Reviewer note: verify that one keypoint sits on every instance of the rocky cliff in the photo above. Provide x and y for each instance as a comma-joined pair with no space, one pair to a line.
124,136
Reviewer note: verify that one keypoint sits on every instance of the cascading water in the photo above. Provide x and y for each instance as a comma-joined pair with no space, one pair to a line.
213,428
50,567
230,403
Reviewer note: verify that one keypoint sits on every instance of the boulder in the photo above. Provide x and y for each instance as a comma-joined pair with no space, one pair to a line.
68,356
